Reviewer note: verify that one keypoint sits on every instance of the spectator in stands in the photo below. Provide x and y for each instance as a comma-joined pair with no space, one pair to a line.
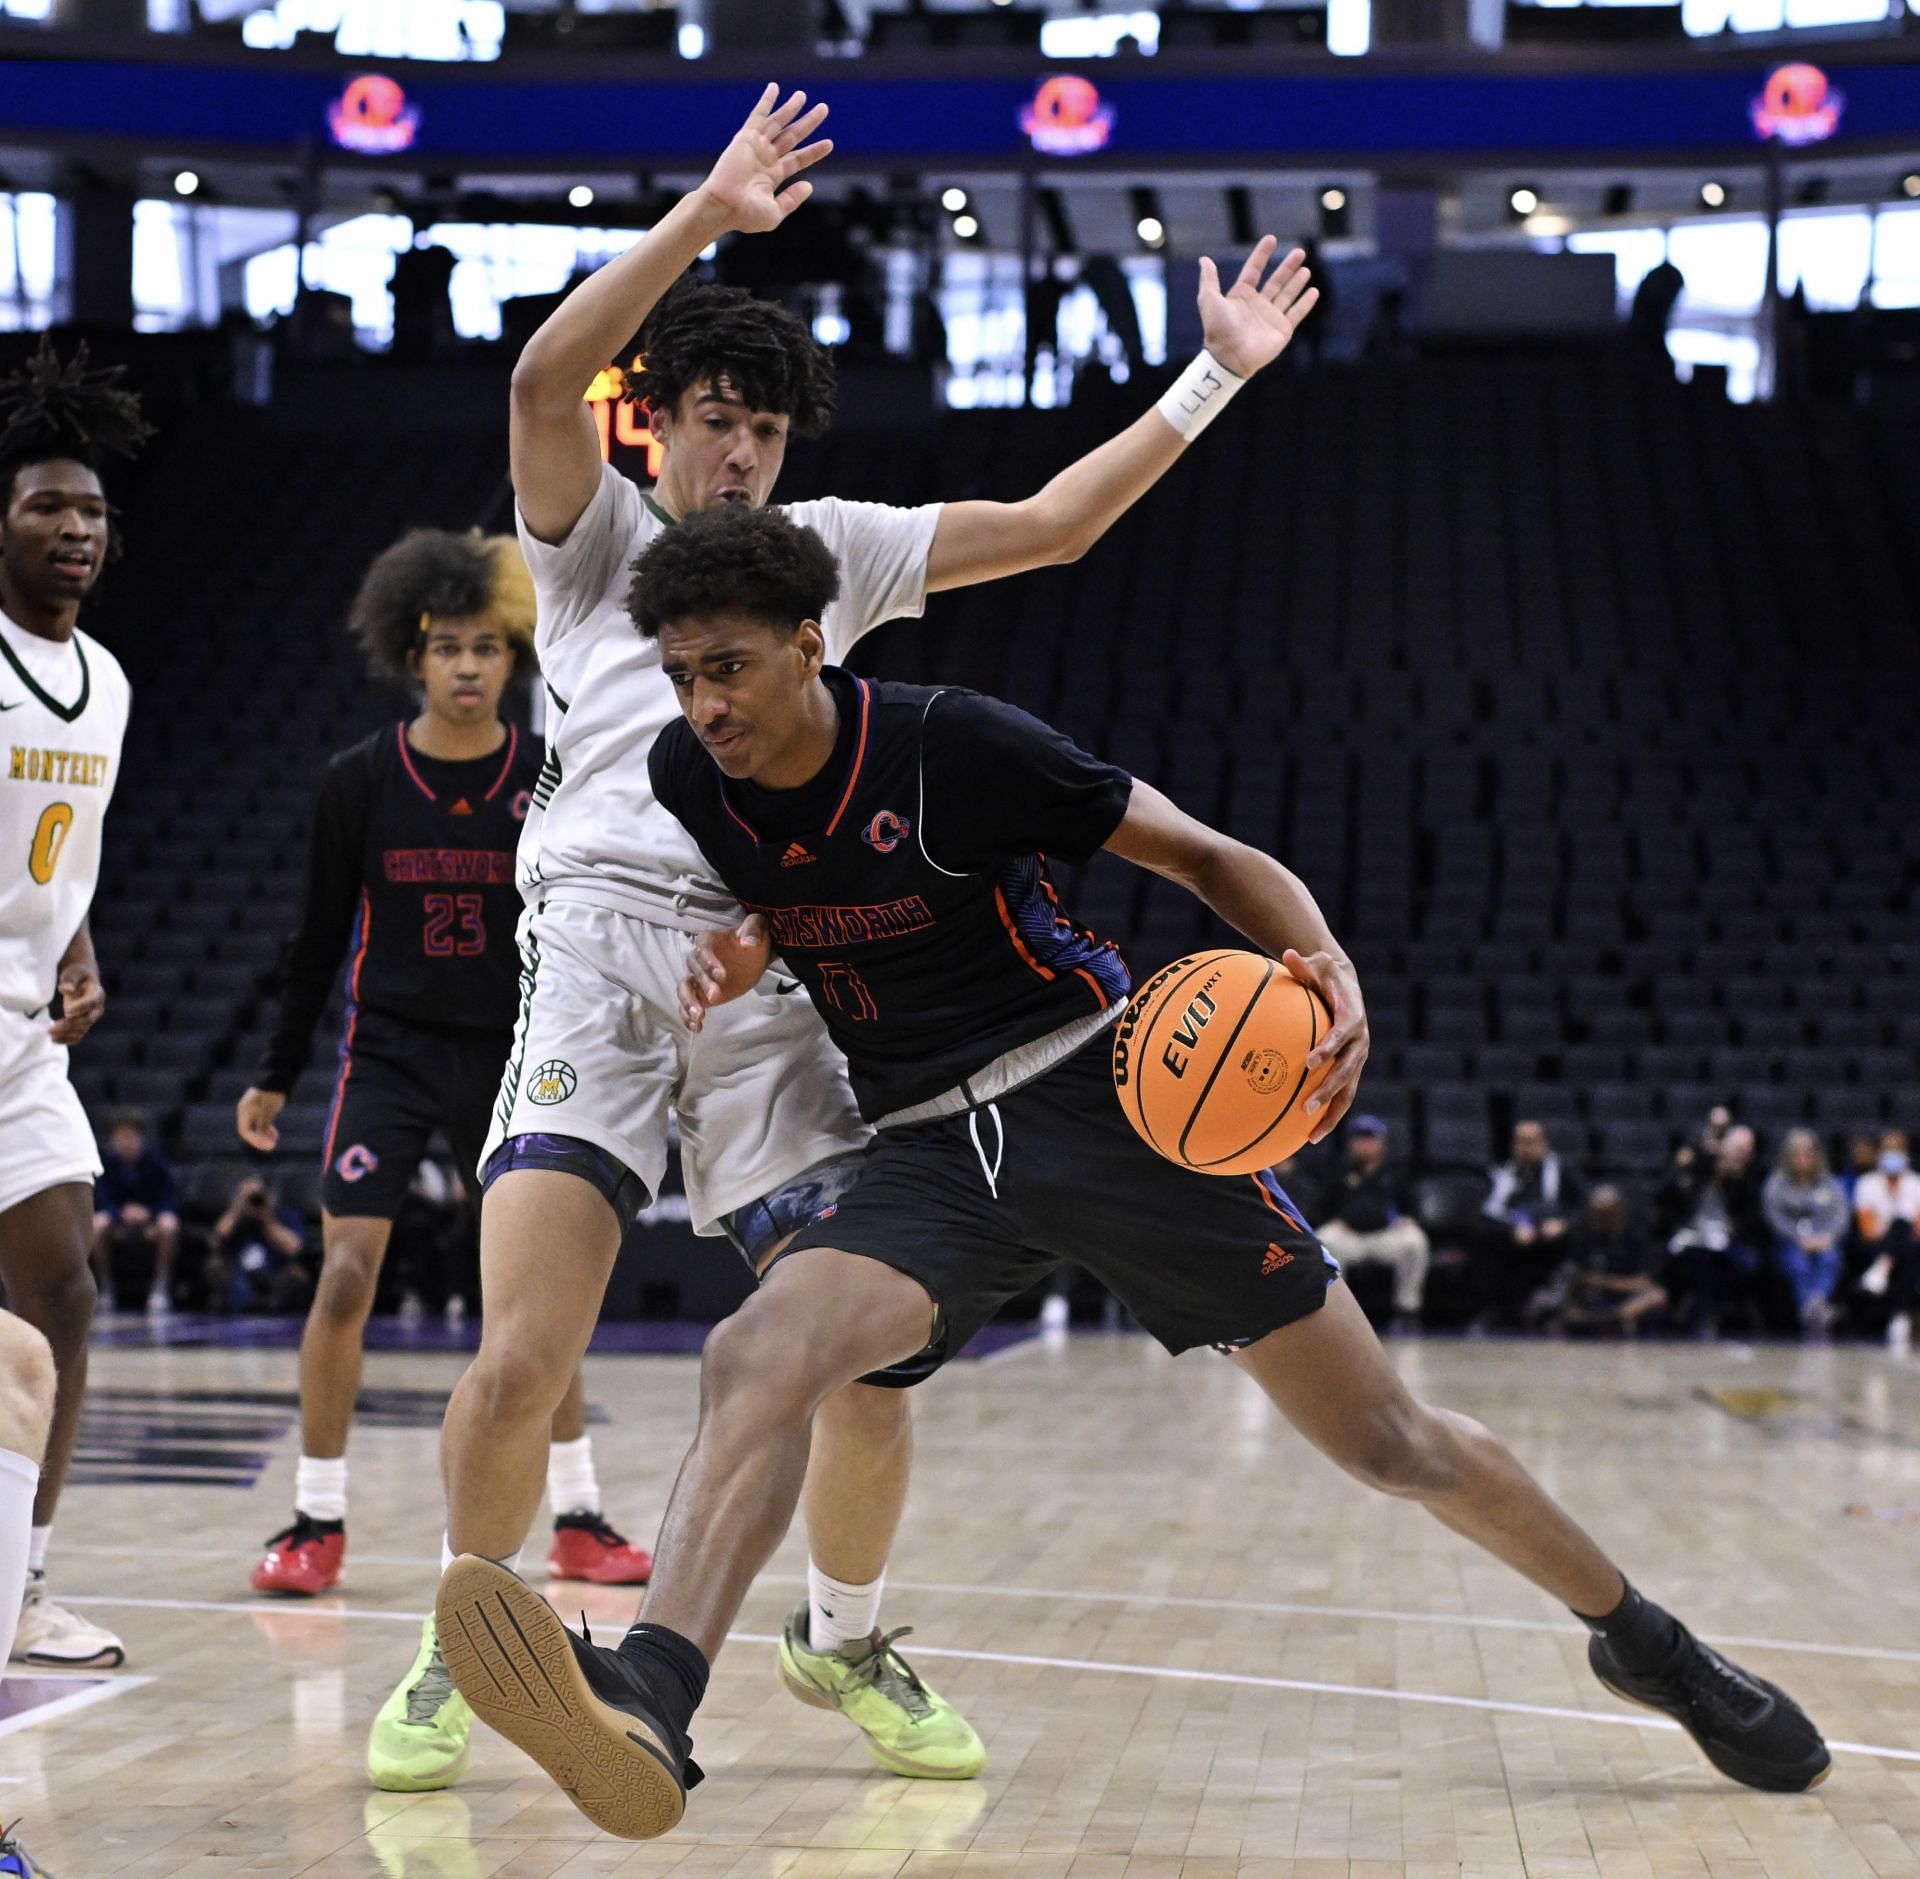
1863,1157
1369,1216
1886,1216
255,1262
1705,1146
1712,1207
1609,1281
136,1217
1533,1197
1807,1214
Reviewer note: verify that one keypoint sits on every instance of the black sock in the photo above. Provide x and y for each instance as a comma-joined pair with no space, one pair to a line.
676,1670
1640,1633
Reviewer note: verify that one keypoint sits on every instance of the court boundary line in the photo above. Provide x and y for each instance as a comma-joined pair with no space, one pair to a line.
1238,1679
1259,1608
100,1692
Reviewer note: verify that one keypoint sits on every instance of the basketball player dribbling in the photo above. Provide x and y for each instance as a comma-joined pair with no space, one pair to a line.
768,1128
63,714
975,1019
410,885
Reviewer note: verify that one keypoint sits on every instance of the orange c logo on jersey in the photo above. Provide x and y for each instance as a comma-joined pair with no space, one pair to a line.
886,831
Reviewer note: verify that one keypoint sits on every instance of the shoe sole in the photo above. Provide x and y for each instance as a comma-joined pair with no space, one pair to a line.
421,1784
889,1759
110,1659
511,1659
1767,1787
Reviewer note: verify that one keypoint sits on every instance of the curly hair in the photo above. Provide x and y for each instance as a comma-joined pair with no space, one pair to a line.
50,409
433,573
733,560
703,332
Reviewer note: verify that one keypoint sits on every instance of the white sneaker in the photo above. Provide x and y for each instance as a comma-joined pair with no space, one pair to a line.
1899,1332
1874,1280
54,1638
159,1305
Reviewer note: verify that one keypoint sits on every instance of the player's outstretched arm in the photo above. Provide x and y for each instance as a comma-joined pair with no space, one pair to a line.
1245,328
1272,907
554,445
723,966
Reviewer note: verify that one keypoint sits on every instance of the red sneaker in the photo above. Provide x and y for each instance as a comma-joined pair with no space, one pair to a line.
585,1547
305,1559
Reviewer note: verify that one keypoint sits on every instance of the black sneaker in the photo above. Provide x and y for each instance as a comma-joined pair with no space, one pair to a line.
582,1711
1749,1729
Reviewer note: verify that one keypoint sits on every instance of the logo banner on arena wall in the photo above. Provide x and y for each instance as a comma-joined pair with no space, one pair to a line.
1169,116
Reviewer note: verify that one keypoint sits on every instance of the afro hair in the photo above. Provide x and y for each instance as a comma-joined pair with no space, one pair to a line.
733,560
52,408
703,333
432,573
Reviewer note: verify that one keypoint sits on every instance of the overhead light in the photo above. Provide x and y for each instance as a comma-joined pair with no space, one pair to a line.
691,40
1910,183
1003,3
1333,200
580,196
1150,230
1713,194
953,200
965,227
186,183
1524,201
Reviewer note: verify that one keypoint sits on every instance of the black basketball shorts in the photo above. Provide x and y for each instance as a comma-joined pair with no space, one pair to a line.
398,1082
980,1206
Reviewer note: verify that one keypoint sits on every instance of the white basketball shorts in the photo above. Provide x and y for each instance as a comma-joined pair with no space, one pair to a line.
601,1052
45,1138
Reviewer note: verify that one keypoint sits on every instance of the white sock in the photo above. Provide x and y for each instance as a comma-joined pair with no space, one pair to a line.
840,1613
572,1486
320,1487
37,1538
19,1482
448,1556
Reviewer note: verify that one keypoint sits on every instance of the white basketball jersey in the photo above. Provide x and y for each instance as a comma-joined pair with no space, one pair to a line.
63,713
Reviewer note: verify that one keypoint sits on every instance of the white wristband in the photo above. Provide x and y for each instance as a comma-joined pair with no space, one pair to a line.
1198,395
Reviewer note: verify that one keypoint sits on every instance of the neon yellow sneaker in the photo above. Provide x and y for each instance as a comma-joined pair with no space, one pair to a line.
420,1737
910,1729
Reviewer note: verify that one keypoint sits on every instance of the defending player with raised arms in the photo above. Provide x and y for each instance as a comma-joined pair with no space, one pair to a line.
974,1016
63,714
410,891
768,1127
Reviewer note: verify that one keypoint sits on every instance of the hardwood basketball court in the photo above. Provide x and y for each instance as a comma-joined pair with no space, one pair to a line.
1192,1647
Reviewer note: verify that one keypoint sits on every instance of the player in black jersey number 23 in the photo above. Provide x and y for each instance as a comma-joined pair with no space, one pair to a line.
889,840
411,882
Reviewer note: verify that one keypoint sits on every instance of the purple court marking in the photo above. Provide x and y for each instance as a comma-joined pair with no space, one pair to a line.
626,1337
26,1702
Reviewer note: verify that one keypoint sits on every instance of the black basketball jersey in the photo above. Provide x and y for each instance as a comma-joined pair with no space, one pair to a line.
907,887
410,882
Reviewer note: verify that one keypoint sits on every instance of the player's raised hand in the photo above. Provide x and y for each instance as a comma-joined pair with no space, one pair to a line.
254,1118
83,1002
1250,324
722,966
768,149
1346,1044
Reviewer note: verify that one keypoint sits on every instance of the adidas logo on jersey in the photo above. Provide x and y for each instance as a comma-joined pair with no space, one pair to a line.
795,856
461,808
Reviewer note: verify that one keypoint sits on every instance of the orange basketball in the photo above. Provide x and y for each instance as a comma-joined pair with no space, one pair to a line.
1209,1062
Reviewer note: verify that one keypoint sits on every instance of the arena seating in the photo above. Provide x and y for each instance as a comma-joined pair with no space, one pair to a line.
1577,697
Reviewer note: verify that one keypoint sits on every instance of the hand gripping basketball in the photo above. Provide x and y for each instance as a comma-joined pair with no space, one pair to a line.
1228,1062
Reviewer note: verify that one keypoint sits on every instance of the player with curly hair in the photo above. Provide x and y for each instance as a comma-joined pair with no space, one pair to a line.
410,882
769,1131
63,714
